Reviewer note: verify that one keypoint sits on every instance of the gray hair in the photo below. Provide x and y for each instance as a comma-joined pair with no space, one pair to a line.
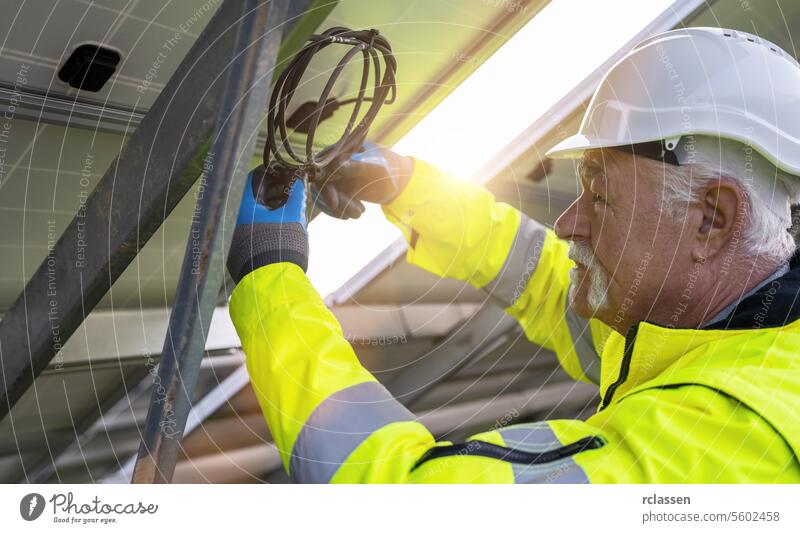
769,192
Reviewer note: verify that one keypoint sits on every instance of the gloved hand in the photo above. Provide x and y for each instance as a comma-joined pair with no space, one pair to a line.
264,236
376,174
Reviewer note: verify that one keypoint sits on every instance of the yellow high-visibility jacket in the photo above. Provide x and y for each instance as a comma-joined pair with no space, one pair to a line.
678,405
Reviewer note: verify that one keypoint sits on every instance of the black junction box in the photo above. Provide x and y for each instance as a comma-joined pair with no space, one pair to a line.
89,67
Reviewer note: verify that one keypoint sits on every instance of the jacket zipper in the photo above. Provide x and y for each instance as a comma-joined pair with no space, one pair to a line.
625,366
493,451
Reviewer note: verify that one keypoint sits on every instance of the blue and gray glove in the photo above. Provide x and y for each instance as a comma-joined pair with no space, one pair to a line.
264,236
375,174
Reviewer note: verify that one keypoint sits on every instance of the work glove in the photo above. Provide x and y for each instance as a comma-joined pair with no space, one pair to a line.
374,174
264,236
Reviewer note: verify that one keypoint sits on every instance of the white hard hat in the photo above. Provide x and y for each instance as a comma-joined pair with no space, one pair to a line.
701,81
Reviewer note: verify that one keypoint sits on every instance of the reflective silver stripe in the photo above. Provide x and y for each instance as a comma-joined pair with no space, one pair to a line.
521,261
584,346
562,471
537,438
338,426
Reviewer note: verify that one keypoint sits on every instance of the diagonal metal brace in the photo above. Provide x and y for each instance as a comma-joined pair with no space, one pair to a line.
240,109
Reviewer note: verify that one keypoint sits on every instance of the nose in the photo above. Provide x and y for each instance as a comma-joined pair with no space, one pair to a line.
573,224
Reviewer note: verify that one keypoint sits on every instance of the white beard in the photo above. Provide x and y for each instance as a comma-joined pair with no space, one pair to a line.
597,297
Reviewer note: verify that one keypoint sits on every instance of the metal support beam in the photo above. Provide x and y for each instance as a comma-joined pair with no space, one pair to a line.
260,29
158,165
123,402
207,406
480,335
68,111
70,447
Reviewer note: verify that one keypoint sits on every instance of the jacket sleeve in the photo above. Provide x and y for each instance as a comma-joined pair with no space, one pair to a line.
320,404
457,229
333,422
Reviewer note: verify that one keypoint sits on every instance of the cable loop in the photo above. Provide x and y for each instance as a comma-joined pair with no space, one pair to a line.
280,158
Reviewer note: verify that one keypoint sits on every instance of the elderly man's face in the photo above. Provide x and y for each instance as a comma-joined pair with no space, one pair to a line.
622,240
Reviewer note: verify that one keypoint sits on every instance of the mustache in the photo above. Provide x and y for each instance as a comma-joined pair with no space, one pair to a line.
582,254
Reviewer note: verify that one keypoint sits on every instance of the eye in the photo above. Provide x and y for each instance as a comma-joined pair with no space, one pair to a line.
596,198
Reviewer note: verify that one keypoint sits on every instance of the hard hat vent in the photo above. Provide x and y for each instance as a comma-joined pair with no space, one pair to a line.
733,34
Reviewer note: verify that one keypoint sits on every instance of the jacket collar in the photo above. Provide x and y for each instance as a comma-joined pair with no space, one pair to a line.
774,304
649,348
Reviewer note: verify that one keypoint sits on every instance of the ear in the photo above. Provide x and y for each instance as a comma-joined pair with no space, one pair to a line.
721,214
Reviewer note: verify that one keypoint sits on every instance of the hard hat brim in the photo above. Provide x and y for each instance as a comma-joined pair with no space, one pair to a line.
573,147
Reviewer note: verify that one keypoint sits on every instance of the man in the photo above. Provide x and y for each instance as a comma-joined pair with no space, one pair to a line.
669,283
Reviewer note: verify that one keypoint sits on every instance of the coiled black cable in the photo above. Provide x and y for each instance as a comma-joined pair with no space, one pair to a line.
282,164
